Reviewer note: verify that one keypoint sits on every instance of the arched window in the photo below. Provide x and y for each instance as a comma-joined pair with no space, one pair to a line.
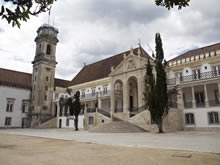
213,118
48,49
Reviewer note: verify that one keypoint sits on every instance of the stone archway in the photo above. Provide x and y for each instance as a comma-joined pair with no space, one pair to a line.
118,96
132,93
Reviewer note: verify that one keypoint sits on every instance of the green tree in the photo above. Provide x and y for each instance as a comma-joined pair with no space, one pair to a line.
21,10
171,3
157,97
74,108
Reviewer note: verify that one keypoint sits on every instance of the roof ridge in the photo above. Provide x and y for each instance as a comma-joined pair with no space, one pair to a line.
193,50
111,56
15,71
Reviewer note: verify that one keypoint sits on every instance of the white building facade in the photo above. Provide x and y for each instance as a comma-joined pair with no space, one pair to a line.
14,102
196,74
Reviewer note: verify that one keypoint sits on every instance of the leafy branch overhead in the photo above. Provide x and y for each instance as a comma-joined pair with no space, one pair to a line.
172,3
15,11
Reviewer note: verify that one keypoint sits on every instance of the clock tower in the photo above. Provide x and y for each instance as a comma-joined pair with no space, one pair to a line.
43,74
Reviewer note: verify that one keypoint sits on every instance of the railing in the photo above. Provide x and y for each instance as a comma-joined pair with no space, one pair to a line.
172,104
213,103
103,112
135,111
95,95
195,77
188,105
171,81
199,105
117,110
91,110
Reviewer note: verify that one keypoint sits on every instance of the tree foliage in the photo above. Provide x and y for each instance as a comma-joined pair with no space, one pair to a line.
15,11
171,3
156,90
74,107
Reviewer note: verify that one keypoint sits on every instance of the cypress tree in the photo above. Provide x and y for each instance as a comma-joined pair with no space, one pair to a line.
157,97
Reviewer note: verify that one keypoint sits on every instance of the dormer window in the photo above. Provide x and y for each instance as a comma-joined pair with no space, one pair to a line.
48,49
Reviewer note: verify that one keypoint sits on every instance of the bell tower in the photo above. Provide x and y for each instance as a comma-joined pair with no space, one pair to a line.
43,75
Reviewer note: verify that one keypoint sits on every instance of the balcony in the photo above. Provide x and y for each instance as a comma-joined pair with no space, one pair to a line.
95,95
171,81
188,105
195,77
214,103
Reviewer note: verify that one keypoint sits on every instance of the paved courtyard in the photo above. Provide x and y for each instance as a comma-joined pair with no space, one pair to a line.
188,141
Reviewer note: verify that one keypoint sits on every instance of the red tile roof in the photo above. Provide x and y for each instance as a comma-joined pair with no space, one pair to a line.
22,80
198,51
102,69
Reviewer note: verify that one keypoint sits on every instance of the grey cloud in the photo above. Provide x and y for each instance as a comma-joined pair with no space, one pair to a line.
120,12
123,12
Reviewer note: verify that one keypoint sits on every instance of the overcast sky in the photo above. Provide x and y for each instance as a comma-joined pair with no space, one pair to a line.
91,30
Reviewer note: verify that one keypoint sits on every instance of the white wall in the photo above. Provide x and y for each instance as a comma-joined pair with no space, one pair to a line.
71,122
16,115
201,117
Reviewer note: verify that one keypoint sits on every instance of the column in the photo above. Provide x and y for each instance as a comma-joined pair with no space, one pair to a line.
140,93
99,103
180,99
206,96
193,98
125,96
219,91
112,101
58,109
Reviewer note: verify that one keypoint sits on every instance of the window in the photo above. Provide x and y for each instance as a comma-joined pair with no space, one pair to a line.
7,121
67,121
56,95
105,90
189,118
216,70
48,69
9,106
91,120
196,74
47,78
213,118
35,78
83,94
48,49
45,98
46,88
216,94
25,106
199,96
93,92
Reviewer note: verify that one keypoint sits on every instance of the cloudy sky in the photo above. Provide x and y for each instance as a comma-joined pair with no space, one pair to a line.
91,30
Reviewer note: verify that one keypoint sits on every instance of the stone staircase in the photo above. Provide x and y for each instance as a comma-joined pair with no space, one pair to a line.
52,123
117,127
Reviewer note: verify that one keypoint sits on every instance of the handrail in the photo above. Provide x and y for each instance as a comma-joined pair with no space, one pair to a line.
103,112
135,111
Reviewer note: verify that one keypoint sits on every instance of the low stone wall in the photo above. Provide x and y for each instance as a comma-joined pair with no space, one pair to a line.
98,120
171,123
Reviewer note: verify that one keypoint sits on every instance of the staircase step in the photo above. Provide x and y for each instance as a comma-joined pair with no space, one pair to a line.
117,127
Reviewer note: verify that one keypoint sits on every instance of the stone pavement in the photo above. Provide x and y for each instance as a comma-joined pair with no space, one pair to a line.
189,141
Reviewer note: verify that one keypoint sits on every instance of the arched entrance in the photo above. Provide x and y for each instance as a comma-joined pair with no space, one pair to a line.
133,94
118,92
